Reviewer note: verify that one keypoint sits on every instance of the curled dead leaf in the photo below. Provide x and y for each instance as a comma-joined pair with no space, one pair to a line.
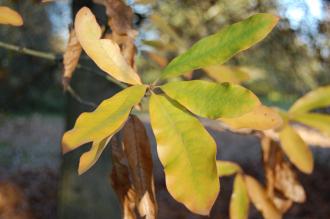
70,58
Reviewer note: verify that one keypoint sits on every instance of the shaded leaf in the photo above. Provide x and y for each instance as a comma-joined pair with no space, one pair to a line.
138,151
296,149
104,52
259,198
223,73
317,98
315,120
106,120
212,100
227,168
239,201
9,16
280,176
89,158
219,47
70,58
187,152
261,118
120,179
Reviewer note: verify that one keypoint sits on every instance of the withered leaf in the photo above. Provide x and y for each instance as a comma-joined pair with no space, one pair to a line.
120,179
71,58
138,151
282,184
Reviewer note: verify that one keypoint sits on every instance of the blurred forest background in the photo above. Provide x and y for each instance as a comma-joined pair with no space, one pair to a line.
34,110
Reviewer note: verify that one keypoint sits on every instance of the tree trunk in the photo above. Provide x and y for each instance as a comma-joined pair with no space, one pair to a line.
88,196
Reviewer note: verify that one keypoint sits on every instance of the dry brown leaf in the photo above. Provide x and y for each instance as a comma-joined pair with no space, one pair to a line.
160,60
261,201
138,152
9,16
70,58
120,179
282,184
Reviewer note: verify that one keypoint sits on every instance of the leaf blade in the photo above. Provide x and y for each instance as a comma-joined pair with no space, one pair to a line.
104,52
219,47
314,120
9,16
296,149
239,201
212,100
227,168
107,118
181,140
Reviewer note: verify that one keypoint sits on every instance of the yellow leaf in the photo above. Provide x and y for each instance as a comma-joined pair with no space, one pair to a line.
89,158
315,120
9,16
104,52
223,73
227,168
187,152
105,121
261,118
259,198
239,201
296,149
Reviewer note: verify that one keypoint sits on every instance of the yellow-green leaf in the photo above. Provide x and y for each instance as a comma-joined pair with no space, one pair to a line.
105,121
212,100
223,73
227,168
187,152
261,118
315,120
89,158
104,52
9,16
314,99
219,47
259,198
296,149
239,201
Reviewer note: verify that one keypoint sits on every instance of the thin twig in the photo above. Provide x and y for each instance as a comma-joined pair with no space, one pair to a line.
79,98
53,57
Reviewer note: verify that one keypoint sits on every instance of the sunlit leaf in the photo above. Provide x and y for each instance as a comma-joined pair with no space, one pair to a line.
296,149
219,47
104,52
315,120
187,152
9,16
71,57
317,98
259,198
227,168
138,151
106,120
212,100
261,118
239,201
223,73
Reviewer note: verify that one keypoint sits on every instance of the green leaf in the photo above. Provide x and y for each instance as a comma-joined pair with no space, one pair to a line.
227,168
219,47
105,121
187,152
315,120
296,149
315,99
223,73
239,201
212,100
